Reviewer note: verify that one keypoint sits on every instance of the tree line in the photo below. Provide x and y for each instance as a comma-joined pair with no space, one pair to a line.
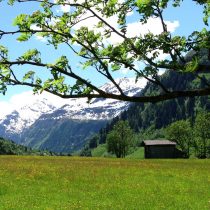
149,121
193,140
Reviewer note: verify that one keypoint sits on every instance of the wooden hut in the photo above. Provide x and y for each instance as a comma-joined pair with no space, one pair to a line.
159,149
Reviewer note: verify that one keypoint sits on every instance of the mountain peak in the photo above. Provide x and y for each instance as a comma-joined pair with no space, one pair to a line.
42,106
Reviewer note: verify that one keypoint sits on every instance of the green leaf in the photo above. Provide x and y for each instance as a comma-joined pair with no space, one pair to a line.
38,81
19,20
3,50
115,67
47,84
87,90
24,37
31,55
11,2
142,3
4,70
176,3
205,20
62,62
87,64
29,75
192,65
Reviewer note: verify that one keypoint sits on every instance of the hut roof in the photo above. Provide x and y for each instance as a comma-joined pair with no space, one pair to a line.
158,142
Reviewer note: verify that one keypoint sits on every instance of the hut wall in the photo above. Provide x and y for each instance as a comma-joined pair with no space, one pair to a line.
160,151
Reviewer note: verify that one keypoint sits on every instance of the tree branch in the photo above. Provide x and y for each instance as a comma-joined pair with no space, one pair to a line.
142,99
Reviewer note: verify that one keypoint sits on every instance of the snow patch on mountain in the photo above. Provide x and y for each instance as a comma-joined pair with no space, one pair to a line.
28,107
25,116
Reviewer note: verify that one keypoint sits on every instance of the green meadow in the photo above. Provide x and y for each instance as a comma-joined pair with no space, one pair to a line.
58,183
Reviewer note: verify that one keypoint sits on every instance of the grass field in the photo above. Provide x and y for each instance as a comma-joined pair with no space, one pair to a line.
97,183
137,154
101,151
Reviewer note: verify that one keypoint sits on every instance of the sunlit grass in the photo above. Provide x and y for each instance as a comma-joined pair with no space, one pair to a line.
99,183
137,154
100,151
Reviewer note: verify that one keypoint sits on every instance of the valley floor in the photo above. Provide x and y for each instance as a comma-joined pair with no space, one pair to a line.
58,183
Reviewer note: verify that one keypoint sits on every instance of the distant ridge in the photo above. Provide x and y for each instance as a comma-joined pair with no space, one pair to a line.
38,125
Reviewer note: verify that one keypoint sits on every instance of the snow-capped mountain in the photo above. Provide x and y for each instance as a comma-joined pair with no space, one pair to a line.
25,116
13,124
47,108
100,109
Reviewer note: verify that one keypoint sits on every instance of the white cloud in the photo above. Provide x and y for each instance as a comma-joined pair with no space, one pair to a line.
137,65
134,29
22,99
35,27
37,37
92,22
6,108
40,38
50,22
65,8
124,71
130,13
28,98
161,55
153,25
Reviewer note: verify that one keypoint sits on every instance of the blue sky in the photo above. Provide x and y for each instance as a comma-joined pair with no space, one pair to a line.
183,20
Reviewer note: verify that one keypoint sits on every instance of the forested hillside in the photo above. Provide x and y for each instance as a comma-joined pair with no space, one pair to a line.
8,147
148,116
64,135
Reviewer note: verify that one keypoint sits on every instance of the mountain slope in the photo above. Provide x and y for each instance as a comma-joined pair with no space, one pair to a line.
156,116
63,135
15,123
8,147
64,127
